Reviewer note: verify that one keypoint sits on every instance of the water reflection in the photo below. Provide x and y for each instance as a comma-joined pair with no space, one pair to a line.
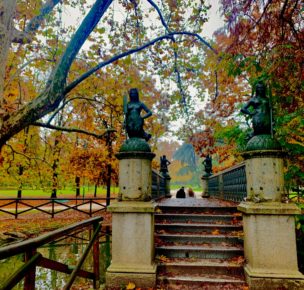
67,251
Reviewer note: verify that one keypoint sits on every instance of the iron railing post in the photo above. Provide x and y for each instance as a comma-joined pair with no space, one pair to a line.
29,279
96,258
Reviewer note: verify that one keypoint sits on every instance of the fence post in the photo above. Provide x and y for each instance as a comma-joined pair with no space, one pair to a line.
96,259
53,208
29,279
16,211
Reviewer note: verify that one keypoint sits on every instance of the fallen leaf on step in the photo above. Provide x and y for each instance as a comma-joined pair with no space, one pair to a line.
130,286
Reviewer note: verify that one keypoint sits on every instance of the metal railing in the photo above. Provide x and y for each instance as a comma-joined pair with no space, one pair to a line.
33,258
158,185
229,184
52,206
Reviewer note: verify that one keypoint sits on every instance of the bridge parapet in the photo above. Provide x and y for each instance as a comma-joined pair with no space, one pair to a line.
229,184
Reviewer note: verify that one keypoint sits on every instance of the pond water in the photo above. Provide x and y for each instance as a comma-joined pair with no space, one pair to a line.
67,251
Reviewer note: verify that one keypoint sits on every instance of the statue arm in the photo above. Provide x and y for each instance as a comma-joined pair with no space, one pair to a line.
245,110
148,111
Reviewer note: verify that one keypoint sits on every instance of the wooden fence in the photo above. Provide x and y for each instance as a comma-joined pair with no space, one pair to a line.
52,206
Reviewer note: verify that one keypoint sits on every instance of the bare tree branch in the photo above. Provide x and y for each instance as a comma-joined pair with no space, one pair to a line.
74,130
168,36
53,94
36,21
162,19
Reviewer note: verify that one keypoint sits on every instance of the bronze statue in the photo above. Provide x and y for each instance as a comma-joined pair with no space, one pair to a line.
261,113
164,162
134,122
208,165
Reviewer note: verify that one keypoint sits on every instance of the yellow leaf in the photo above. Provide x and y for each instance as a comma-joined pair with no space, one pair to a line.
131,286
215,232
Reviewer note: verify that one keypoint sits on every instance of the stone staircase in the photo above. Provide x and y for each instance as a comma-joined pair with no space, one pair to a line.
199,247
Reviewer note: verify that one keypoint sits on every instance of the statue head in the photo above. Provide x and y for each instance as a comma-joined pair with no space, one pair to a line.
260,89
134,96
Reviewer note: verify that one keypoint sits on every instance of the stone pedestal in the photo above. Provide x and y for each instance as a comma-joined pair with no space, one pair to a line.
168,189
205,192
264,175
133,219
132,245
135,179
167,178
270,245
269,225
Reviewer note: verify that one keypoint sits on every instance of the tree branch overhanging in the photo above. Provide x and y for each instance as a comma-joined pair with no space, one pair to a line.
53,93
74,130
167,36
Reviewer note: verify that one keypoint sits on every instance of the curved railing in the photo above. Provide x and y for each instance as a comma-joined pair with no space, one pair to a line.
229,184
158,185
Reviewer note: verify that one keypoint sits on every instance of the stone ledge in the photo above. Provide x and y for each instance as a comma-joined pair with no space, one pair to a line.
267,273
135,155
141,280
129,268
268,208
132,207
262,281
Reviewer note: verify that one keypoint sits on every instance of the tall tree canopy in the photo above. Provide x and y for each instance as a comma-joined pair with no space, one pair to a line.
36,45
261,40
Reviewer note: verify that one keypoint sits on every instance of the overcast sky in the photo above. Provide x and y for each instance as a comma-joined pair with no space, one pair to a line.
215,20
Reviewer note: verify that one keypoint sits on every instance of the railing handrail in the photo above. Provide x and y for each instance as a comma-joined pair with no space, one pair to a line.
228,169
157,173
22,247
55,198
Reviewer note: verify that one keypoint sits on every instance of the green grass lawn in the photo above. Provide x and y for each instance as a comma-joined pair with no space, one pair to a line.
84,191
194,188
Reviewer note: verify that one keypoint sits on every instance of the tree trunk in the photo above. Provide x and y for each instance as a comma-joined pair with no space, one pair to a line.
7,11
77,182
20,172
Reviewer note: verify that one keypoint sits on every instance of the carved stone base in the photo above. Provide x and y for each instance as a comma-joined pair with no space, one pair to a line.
258,281
205,192
270,245
135,179
122,279
132,245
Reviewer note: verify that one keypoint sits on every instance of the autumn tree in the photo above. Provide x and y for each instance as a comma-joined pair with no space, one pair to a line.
23,32
261,40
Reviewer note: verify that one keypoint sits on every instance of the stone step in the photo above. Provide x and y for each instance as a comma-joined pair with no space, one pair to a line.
202,228
197,209
199,251
195,239
202,266
205,218
206,281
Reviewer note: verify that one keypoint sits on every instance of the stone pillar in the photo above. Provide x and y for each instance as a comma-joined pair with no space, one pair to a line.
205,191
269,224
133,219
167,178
